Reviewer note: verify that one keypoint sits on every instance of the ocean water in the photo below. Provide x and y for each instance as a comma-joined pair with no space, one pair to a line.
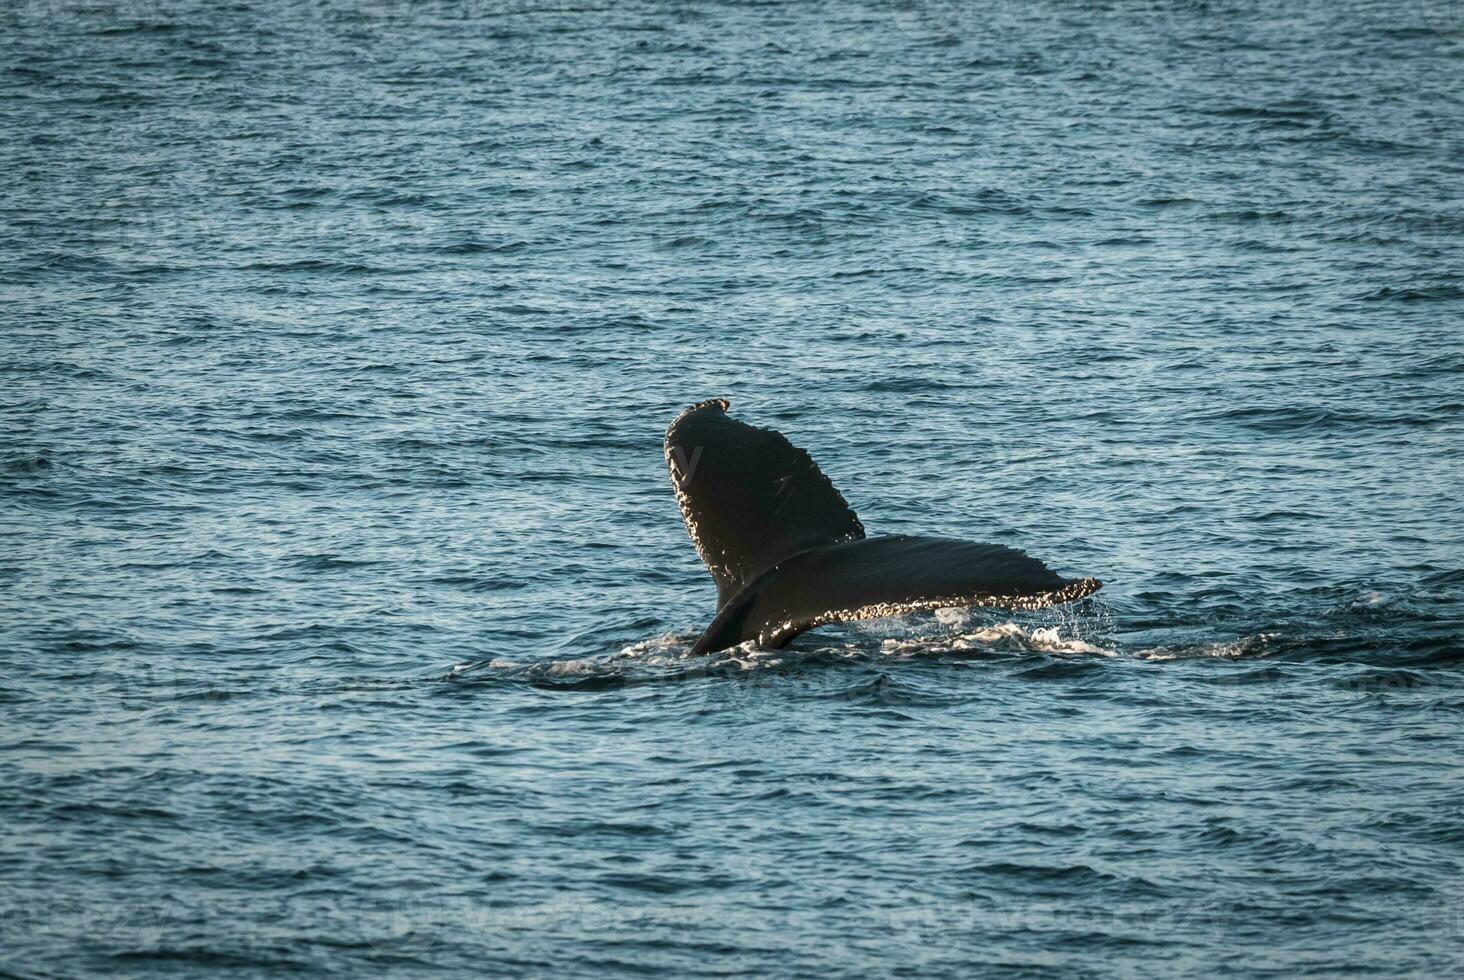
346,606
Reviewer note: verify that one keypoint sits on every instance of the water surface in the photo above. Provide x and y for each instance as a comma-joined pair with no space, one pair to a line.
347,605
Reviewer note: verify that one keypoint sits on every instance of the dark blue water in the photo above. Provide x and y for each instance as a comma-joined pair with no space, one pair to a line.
346,604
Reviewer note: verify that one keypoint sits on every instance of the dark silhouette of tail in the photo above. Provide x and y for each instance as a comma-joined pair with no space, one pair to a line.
788,553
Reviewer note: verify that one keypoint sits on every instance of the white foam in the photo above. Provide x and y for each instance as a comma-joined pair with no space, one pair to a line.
1049,640
559,668
951,616
1043,639
657,647
1037,639
1233,650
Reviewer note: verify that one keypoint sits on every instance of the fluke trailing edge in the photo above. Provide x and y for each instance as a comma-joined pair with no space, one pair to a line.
788,553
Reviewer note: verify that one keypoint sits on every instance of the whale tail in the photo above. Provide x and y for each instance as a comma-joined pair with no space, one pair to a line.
787,553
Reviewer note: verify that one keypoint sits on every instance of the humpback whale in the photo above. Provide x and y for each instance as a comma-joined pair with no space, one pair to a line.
787,553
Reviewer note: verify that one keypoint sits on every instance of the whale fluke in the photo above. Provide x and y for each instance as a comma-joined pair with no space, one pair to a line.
749,497
788,553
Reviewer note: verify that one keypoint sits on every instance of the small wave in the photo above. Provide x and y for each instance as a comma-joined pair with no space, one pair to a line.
1277,419
1452,577
1423,294
1292,115
312,265
142,27
642,660
472,246
327,563
687,241
26,463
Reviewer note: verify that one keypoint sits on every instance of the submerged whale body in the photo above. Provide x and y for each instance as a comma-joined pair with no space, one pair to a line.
788,553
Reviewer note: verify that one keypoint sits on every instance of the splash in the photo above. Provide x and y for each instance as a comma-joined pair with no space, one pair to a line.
1253,645
1007,636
